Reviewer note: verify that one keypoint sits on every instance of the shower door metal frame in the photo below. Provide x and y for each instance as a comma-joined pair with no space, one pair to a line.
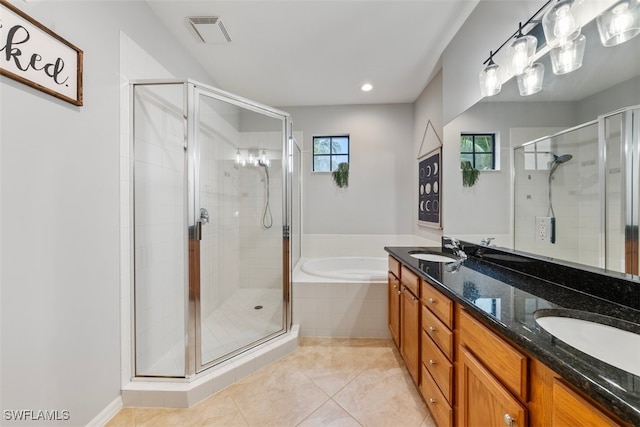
630,170
194,91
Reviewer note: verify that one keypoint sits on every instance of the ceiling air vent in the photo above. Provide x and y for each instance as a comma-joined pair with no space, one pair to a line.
209,29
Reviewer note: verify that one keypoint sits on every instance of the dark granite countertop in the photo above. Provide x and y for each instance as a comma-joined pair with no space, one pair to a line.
504,289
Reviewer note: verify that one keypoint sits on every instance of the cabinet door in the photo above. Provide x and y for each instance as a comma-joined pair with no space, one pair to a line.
483,401
394,308
570,409
410,332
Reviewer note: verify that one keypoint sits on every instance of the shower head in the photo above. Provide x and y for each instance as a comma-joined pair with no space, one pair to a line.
561,159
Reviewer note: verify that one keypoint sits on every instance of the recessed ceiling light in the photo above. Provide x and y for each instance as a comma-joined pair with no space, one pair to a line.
366,87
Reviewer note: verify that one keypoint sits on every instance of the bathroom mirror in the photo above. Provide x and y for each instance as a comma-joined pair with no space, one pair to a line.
608,80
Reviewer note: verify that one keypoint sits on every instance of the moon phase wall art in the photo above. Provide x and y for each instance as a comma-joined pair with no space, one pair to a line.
429,189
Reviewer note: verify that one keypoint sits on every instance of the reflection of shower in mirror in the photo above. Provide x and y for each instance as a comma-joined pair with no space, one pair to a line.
557,161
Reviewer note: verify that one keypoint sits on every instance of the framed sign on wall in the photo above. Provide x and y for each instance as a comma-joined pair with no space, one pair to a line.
32,54
429,189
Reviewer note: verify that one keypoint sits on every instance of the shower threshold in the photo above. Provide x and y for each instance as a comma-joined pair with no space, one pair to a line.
178,393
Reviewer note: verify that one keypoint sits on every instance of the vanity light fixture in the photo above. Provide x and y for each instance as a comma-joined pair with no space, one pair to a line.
619,23
520,52
559,24
490,78
568,57
530,81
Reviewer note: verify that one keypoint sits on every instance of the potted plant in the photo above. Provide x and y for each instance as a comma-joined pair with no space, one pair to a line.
341,175
470,174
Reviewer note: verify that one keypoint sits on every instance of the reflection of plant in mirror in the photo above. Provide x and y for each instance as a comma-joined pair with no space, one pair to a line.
470,174
341,175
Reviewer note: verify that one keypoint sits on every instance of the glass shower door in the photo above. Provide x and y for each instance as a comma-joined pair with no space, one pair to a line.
236,216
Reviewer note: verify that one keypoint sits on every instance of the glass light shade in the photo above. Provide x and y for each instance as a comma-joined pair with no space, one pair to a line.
619,23
568,57
559,24
520,53
530,81
490,81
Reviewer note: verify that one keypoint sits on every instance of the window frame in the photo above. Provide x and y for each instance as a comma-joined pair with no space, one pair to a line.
494,150
331,155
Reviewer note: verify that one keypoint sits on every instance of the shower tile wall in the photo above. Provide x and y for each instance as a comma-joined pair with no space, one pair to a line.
574,192
160,245
256,240
220,182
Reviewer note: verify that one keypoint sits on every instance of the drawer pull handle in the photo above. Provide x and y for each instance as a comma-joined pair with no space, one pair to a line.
432,301
432,400
432,329
432,362
509,420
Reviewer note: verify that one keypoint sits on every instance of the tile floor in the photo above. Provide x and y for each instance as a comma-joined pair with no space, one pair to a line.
325,382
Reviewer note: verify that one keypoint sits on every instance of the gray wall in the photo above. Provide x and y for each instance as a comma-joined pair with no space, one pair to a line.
427,108
60,325
377,198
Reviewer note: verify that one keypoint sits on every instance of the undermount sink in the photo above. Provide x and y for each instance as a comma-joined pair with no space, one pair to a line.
425,256
610,344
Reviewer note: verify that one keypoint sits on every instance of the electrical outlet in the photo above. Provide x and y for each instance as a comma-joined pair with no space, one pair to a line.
544,228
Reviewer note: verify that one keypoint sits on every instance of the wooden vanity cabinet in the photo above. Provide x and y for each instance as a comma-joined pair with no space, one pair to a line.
469,375
394,288
492,378
410,322
553,402
437,351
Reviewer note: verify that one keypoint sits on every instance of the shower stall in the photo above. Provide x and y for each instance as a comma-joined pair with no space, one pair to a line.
576,193
215,184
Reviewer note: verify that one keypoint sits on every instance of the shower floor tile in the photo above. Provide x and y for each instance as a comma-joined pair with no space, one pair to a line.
326,381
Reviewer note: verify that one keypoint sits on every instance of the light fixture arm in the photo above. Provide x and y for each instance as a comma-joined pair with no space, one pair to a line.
532,20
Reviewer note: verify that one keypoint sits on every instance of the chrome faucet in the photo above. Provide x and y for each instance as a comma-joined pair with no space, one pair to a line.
455,248
487,241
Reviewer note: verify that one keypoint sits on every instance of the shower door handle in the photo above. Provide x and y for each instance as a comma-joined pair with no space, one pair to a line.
204,218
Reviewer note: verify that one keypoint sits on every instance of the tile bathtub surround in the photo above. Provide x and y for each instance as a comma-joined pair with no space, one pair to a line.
345,382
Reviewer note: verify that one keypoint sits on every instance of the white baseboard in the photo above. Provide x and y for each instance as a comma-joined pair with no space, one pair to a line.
107,413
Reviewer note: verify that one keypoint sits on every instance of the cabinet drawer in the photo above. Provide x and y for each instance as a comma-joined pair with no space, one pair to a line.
505,362
438,332
438,303
410,280
438,366
394,266
437,404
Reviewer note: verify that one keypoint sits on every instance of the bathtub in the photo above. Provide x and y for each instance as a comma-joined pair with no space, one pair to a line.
363,269
341,297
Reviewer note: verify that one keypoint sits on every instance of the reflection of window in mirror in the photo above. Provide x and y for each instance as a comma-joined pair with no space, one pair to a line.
492,306
537,156
480,149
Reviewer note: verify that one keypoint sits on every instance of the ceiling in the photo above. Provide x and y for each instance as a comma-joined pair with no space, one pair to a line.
319,52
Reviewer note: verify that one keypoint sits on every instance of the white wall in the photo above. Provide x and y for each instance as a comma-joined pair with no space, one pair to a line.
60,230
378,197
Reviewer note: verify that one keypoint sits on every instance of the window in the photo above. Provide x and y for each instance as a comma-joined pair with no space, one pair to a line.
329,151
479,149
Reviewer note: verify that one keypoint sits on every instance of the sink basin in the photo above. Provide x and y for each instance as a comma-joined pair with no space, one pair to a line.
432,257
610,344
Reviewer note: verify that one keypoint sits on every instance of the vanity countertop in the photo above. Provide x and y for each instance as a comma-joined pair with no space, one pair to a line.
494,289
